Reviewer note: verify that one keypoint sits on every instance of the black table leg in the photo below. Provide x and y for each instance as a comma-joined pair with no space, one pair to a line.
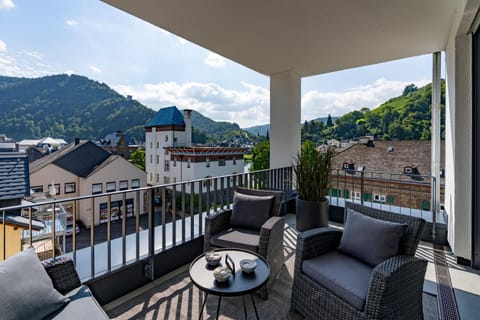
218,306
203,306
254,306
244,307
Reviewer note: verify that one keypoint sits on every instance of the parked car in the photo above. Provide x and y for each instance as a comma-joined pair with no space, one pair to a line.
69,229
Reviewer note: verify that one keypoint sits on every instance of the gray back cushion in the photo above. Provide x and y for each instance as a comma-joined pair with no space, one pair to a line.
26,289
250,211
370,240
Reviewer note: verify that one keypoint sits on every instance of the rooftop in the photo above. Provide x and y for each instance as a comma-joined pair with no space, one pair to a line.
169,116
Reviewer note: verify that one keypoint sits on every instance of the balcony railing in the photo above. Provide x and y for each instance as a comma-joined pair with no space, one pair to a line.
125,227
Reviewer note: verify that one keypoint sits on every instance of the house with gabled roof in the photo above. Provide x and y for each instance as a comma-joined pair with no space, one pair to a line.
82,168
388,169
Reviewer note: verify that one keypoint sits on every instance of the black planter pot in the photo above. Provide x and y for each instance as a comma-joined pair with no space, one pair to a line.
311,214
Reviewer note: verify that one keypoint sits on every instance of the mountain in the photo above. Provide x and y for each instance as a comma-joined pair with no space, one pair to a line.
210,126
73,106
259,130
67,106
264,128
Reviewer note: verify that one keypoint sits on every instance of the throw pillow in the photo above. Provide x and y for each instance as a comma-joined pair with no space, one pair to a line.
27,290
250,212
369,239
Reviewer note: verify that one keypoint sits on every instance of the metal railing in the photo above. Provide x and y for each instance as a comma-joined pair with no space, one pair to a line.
123,227
127,226
407,194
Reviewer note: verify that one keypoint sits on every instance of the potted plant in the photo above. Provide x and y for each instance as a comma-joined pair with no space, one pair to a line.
312,171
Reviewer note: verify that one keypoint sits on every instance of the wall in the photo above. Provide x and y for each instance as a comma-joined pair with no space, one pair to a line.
458,127
13,239
117,170
50,173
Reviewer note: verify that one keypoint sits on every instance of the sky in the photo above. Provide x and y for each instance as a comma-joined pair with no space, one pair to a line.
159,69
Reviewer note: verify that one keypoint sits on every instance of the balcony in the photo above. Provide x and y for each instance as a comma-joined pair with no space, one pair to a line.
135,258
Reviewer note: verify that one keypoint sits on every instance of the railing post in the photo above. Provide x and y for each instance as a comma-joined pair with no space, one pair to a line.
433,208
362,186
150,267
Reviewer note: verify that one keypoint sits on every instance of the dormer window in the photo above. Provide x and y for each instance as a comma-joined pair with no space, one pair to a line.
410,170
348,166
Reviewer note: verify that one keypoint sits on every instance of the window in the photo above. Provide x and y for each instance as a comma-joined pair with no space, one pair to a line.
158,159
123,185
188,162
234,161
151,144
158,177
151,176
379,197
166,166
36,189
356,195
174,162
69,187
151,158
136,182
111,186
57,188
166,152
166,179
407,170
207,160
158,145
174,179
221,162
97,188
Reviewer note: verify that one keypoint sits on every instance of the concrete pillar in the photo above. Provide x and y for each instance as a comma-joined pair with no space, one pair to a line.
285,111
435,143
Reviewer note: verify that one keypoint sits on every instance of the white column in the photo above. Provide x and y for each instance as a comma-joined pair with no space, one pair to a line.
285,103
435,141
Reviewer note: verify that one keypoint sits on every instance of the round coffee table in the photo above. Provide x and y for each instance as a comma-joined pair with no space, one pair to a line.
239,284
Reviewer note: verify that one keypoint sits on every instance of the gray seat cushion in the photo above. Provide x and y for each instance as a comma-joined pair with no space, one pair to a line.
237,238
347,277
250,211
27,291
82,306
370,240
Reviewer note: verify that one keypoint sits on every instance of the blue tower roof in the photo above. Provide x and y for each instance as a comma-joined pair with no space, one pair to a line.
169,116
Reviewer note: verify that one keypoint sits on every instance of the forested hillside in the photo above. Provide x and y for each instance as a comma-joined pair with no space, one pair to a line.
67,107
406,117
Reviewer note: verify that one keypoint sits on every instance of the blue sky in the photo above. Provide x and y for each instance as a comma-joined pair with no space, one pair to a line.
90,38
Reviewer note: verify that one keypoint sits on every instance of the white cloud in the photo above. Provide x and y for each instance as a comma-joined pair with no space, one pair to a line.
72,22
33,54
214,60
182,41
247,107
7,4
319,104
69,72
9,66
95,69
3,46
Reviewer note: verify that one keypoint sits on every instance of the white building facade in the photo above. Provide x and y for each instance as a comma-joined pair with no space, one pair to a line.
170,157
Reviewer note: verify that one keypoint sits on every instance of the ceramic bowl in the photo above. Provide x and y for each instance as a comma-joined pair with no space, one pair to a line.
221,274
213,258
248,265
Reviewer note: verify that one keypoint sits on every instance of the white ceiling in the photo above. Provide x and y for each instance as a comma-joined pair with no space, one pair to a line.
305,36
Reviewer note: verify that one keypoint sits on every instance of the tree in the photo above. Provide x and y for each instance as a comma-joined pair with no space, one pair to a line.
329,121
409,89
261,156
137,157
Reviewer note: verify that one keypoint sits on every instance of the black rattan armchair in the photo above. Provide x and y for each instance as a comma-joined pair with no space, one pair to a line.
267,242
392,289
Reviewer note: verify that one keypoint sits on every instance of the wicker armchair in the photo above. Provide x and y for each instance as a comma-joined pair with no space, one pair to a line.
393,288
268,242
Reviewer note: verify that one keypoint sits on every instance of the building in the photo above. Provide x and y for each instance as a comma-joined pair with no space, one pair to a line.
83,168
48,144
119,143
13,226
170,157
14,186
382,172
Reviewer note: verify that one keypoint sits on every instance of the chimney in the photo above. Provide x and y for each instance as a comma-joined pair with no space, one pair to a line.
187,118
77,141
